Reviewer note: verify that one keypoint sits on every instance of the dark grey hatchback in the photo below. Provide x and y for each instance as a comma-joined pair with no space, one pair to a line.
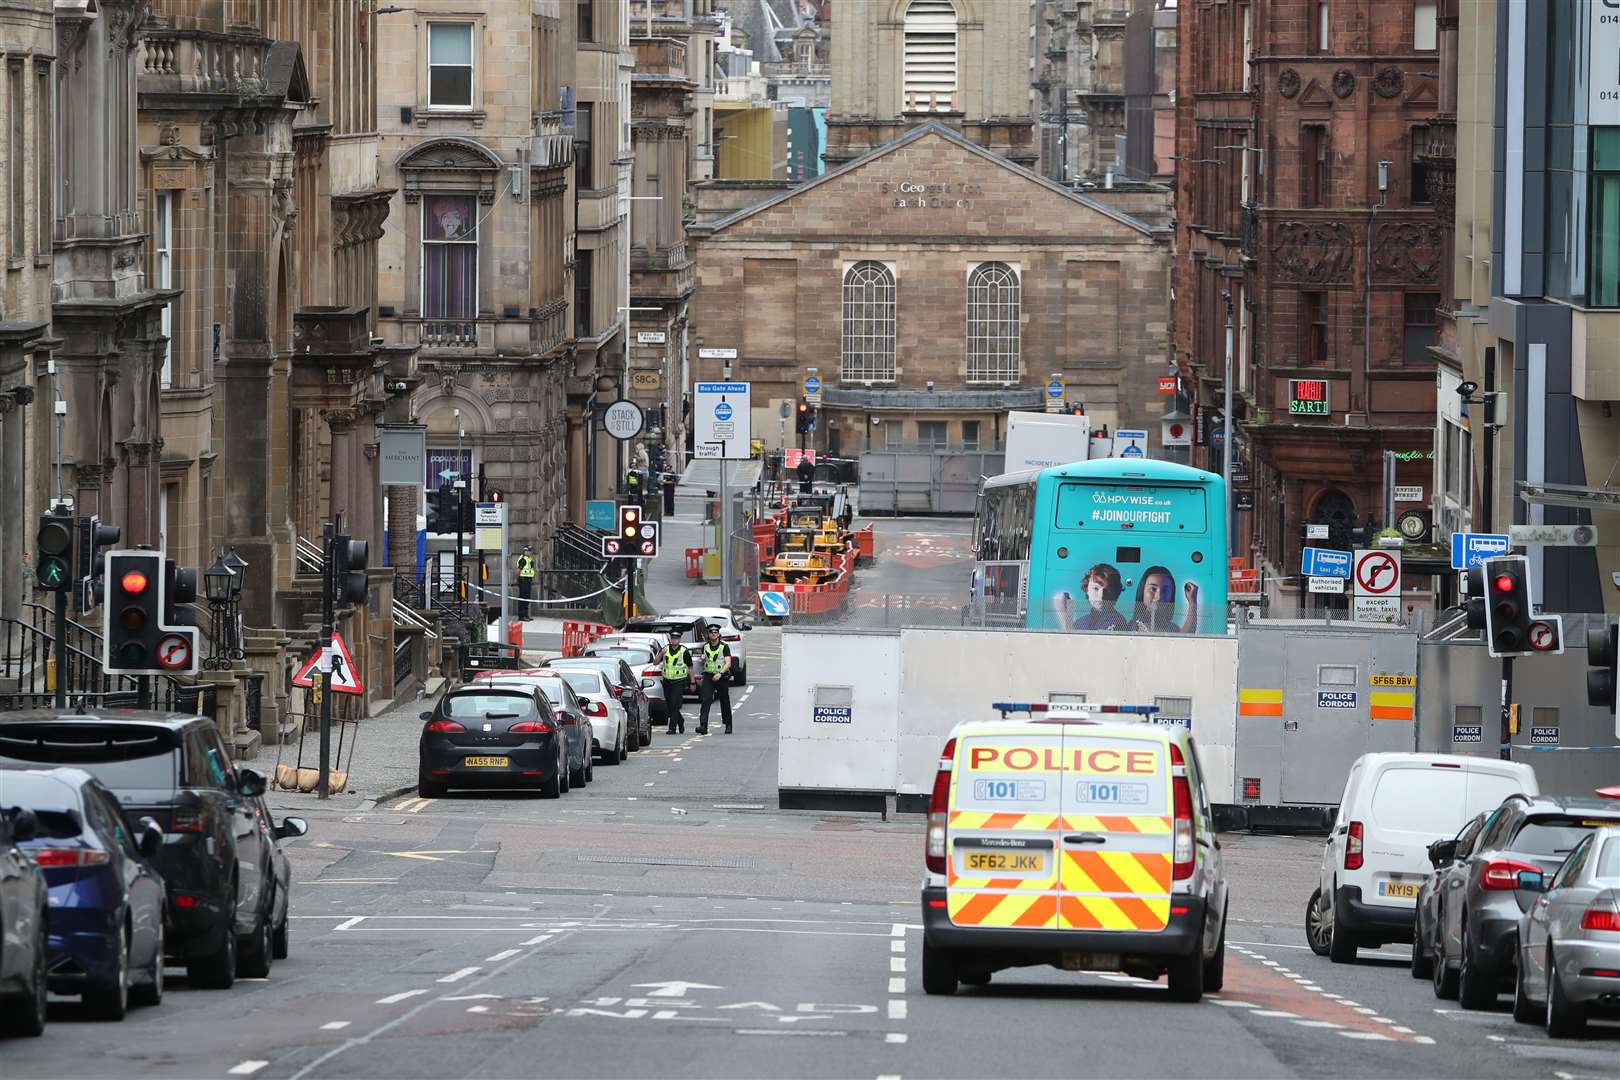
492,738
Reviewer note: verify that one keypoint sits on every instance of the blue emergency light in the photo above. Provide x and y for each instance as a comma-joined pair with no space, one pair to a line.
1032,707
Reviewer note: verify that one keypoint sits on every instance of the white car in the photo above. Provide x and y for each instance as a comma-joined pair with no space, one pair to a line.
731,632
609,721
645,655
1376,859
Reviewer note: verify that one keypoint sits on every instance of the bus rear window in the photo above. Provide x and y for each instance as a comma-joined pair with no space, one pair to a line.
1115,507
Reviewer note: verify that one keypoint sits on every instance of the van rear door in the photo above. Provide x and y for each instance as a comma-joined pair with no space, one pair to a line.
1116,836
1002,856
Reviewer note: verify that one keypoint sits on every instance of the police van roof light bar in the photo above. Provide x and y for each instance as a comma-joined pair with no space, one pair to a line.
1061,708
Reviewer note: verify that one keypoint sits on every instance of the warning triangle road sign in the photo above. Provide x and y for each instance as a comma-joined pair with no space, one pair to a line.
335,659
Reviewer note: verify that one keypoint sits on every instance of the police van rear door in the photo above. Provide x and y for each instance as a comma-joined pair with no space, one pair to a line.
1116,836
1003,829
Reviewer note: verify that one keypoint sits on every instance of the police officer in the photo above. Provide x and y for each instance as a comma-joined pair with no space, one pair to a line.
717,665
806,472
632,485
527,569
677,674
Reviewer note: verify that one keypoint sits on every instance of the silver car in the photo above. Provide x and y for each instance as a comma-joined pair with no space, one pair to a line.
1569,940
645,657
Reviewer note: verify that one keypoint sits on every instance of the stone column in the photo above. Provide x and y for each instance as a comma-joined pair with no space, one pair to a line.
341,424
402,528
140,505
244,381
14,522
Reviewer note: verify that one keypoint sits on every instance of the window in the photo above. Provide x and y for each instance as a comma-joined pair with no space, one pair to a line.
970,434
1419,168
1318,30
1604,245
868,332
894,435
163,269
449,256
1313,146
1456,447
1425,26
1313,328
1420,328
586,20
1248,52
931,435
16,171
583,260
993,324
584,139
1435,801
930,60
450,65
44,167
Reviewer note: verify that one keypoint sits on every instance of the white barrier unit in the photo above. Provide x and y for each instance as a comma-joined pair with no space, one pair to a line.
839,716
867,713
948,676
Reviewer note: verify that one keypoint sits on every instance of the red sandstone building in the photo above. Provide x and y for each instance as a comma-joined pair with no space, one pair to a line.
1285,108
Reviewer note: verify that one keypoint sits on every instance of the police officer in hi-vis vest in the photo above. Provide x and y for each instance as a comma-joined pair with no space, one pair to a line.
527,569
677,674
717,665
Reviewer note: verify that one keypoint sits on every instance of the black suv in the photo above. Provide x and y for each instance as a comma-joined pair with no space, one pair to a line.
176,770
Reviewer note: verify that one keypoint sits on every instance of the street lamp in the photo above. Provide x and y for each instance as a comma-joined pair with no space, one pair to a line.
238,567
217,588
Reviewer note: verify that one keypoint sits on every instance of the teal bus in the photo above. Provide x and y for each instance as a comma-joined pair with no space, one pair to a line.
1118,544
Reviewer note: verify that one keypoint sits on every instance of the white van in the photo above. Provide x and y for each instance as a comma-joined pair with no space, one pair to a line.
1376,859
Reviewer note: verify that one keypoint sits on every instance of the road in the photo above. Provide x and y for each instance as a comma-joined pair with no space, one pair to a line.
668,921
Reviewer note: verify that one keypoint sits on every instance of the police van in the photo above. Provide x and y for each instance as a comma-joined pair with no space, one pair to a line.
1081,838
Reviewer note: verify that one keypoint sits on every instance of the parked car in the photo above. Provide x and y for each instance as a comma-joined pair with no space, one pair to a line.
1569,940
627,685
644,654
610,724
106,894
1375,859
690,625
176,770
1476,938
731,632
576,720
289,828
484,736
24,927
1426,914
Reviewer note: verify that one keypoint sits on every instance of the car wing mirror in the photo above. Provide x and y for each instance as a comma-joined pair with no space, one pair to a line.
291,827
150,844
1442,852
1532,881
428,715
250,783
24,825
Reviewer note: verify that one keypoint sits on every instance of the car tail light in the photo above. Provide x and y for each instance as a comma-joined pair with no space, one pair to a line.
1353,846
185,901
730,637
444,727
938,811
528,727
1602,917
1181,787
651,673
595,708
1504,873
194,819
55,857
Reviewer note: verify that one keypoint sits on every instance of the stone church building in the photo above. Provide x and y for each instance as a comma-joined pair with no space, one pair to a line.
934,285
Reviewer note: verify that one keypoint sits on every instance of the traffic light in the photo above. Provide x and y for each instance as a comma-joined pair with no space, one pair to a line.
179,587
1475,607
494,495
93,536
350,557
647,546
53,566
627,540
1602,646
805,418
1507,605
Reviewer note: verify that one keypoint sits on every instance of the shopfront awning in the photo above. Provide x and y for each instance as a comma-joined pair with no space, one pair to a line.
1577,496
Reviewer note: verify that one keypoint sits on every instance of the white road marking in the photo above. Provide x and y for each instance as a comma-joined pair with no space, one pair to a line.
895,1037
897,1008
246,1068
1373,1036
1233,1004
334,1025
395,999
1424,1039
897,986
504,954
350,924
457,976
1281,1014
478,1008
472,997
897,946
897,963
898,930
538,939
1318,1024
1403,1030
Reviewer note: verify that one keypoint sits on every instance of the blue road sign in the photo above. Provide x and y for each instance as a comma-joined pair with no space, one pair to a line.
1471,549
773,604
1132,450
1324,562
1054,389
722,411
812,384
600,514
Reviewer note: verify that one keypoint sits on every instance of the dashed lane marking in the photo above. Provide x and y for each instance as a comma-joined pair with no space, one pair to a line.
394,999
335,1025
897,1008
246,1068
350,924
457,976
504,954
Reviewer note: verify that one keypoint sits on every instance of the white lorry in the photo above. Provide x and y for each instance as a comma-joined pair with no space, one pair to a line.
1041,440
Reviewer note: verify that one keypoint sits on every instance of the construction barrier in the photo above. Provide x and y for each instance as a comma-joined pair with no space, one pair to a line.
577,635
765,538
694,563
813,599
865,544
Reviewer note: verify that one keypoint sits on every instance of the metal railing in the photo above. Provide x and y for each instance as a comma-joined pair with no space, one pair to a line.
310,561
27,649
402,661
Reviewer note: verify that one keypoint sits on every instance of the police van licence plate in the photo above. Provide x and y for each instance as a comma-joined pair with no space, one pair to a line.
1407,890
1025,862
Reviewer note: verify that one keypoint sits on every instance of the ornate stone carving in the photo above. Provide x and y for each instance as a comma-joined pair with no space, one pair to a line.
169,134
1388,82
1407,252
1314,252
1344,83
1288,82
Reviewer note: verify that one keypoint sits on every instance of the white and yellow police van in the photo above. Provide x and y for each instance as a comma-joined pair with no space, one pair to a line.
1080,838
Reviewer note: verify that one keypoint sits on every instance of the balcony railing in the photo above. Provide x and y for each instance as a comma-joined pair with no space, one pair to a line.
459,335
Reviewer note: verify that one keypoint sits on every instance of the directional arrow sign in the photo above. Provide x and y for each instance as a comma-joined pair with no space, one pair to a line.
674,988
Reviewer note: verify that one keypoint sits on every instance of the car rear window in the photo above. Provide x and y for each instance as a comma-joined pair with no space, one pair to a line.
1608,867
121,756
1436,801
483,706
1549,835
584,682
55,804
630,653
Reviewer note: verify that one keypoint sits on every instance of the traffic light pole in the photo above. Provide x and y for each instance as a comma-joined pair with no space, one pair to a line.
322,677
1505,751
60,648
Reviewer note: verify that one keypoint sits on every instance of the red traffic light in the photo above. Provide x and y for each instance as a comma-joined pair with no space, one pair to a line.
1504,583
133,582
804,406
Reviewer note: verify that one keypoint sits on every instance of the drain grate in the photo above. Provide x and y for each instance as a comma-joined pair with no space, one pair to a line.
656,860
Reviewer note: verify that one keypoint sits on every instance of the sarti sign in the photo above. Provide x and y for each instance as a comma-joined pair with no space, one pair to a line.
1097,760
